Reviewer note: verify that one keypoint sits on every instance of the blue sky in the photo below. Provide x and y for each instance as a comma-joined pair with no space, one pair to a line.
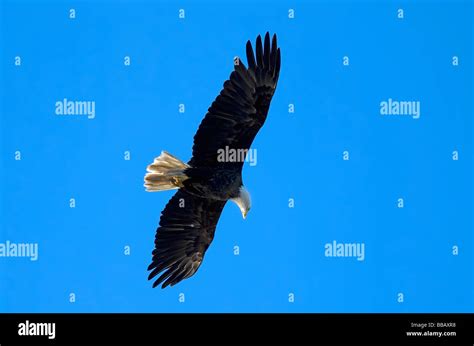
174,61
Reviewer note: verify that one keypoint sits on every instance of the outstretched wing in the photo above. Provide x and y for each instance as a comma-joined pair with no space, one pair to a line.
241,108
186,230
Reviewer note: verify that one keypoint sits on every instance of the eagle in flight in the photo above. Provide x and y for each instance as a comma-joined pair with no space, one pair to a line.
207,182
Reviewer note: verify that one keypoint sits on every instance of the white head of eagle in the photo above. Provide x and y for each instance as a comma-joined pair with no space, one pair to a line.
243,201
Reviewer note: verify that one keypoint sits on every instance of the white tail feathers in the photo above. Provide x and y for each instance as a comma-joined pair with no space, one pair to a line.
165,173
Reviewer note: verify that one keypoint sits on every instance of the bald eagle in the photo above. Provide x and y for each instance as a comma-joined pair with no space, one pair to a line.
207,182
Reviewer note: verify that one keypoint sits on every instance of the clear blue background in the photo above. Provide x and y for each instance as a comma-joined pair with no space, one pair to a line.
175,61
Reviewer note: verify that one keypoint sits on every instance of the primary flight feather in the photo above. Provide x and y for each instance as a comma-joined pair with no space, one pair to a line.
207,182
